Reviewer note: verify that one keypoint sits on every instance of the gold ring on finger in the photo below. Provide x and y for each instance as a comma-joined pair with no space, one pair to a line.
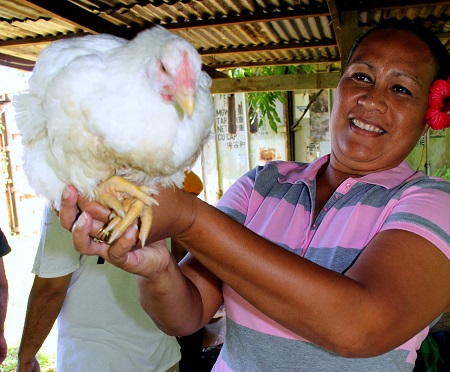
102,236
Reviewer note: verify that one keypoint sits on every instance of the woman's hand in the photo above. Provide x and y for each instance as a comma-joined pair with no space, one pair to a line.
146,261
72,205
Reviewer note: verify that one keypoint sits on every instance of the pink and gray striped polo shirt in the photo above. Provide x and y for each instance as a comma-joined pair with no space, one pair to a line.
276,201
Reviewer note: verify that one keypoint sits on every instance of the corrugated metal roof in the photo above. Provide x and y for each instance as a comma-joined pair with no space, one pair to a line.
228,33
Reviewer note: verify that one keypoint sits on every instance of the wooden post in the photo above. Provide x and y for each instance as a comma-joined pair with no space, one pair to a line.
349,25
9,186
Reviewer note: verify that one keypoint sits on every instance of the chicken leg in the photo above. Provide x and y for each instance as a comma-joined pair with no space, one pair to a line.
128,202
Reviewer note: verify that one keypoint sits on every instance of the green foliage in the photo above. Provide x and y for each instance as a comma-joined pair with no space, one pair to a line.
430,353
263,104
47,362
443,172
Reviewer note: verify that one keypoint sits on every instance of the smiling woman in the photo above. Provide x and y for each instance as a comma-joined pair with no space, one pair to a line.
341,264
381,102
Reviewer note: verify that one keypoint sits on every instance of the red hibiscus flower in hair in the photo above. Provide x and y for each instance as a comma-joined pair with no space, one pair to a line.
438,114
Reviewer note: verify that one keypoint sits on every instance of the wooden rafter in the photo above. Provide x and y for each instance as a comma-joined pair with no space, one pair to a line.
291,62
275,83
336,22
386,4
271,47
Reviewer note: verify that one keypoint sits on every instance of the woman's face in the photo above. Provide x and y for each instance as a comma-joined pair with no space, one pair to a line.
381,101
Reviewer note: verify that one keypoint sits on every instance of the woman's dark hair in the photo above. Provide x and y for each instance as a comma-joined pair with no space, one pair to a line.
437,49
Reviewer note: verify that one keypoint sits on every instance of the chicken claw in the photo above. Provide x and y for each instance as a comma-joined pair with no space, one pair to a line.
115,189
134,208
137,210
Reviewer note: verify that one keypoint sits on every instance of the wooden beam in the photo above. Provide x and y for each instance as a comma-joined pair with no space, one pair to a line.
275,83
16,62
349,33
213,73
336,23
443,35
268,48
295,62
39,39
388,4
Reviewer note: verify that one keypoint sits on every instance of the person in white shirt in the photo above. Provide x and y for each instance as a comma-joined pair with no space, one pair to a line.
101,325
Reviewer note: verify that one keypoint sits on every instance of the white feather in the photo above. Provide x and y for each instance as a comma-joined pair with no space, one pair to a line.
95,109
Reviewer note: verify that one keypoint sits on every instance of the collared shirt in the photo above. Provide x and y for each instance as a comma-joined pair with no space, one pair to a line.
277,202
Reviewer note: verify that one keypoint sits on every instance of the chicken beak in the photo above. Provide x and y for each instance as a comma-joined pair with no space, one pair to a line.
184,92
187,102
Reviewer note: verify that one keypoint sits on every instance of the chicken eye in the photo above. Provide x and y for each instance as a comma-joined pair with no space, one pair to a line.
163,69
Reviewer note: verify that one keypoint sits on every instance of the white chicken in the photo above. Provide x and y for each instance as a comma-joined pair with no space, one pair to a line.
101,110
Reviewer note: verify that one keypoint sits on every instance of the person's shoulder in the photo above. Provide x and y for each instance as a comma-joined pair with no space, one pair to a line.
4,245
426,191
277,171
430,182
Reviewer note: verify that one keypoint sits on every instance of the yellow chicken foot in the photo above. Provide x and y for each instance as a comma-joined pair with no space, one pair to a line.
115,189
114,220
112,224
146,223
137,210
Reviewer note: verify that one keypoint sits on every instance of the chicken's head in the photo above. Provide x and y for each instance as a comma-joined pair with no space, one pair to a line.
177,69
